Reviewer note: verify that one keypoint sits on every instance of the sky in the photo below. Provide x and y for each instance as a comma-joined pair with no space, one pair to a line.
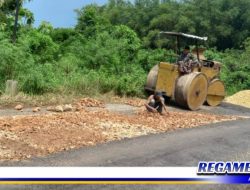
60,13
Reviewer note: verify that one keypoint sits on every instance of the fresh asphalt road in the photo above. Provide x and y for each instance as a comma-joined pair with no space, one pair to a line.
226,141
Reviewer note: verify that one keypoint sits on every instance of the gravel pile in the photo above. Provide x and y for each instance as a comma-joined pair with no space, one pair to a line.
90,102
241,98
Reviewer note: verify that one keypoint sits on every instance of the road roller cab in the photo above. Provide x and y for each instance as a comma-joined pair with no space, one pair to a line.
188,90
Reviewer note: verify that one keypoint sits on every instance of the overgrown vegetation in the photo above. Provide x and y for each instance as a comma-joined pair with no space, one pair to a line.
113,46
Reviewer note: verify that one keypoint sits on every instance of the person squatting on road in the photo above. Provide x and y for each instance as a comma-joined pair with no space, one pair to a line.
186,61
156,103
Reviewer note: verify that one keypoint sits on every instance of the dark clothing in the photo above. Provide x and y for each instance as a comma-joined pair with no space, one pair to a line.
185,57
185,67
157,104
186,63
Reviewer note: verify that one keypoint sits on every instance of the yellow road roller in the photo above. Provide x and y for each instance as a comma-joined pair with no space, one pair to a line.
191,90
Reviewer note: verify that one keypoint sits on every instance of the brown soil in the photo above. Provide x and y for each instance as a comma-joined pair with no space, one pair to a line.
22,137
136,102
90,102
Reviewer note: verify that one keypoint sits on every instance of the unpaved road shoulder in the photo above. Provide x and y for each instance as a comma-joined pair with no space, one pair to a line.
218,142
27,136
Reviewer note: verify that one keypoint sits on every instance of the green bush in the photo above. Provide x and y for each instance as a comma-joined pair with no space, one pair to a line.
236,69
82,83
131,84
213,54
147,58
13,61
40,45
107,82
68,64
40,79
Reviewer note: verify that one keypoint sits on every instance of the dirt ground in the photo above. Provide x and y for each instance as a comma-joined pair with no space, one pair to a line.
26,136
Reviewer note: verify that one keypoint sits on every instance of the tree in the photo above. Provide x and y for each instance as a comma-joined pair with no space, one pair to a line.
90,21
12,14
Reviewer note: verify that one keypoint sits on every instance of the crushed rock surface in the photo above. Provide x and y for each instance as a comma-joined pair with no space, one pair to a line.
241,98
26,136
136,102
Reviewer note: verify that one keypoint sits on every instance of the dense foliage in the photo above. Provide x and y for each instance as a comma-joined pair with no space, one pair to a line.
113,46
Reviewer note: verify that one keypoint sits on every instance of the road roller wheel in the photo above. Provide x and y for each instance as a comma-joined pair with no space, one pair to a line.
152,79
216,92
191,90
